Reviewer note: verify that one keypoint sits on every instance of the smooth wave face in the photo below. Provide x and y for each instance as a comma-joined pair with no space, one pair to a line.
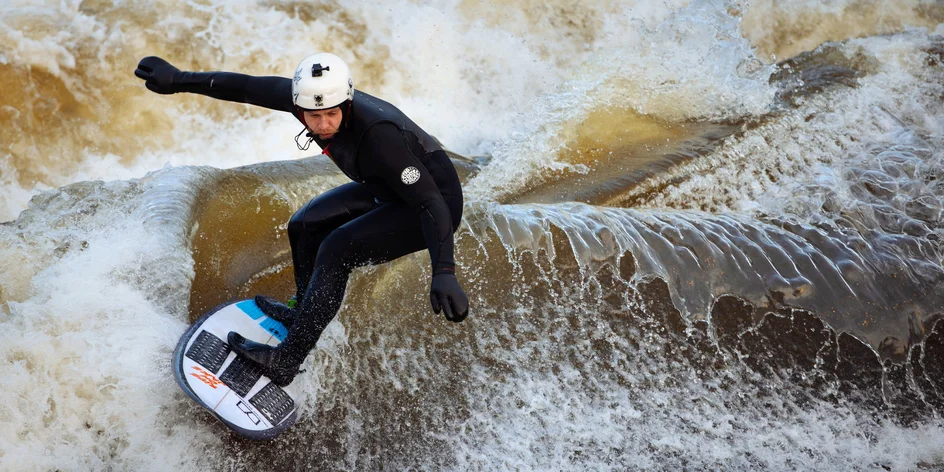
698,235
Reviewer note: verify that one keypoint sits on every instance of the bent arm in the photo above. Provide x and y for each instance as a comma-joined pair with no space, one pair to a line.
387,155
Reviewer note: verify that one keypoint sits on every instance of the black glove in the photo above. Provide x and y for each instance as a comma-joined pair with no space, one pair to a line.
445,294
159,75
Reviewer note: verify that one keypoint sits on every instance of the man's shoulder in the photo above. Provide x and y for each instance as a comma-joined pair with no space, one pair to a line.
371,108
381,135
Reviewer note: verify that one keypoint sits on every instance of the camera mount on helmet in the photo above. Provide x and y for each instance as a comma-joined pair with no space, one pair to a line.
316,69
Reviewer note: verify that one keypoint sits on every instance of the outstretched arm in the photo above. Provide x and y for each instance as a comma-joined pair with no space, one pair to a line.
269,92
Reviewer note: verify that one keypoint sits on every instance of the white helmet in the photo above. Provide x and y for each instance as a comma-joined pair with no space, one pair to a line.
322,81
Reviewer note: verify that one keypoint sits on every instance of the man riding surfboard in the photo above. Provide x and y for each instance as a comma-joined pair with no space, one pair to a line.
404,196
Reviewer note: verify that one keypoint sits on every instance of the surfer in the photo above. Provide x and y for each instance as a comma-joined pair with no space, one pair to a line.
405,195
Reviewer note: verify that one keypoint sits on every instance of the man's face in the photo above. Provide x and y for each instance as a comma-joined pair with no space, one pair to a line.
324,123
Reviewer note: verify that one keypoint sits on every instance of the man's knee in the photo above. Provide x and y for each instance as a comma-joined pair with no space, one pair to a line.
296,224
310,218
336,249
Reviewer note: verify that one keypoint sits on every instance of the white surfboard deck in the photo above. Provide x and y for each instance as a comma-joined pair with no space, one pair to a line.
233,388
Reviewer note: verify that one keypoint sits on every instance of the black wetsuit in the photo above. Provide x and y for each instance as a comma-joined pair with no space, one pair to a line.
405,197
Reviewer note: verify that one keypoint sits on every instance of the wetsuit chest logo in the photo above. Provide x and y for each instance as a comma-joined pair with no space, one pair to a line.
410,175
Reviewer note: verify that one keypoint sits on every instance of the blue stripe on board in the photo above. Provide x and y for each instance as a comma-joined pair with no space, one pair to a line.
277,329
249,307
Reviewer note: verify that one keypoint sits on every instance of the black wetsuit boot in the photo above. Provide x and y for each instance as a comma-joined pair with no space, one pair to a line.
276,310
278,364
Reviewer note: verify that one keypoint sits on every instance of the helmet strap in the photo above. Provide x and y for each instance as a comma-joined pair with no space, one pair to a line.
311,137
345,113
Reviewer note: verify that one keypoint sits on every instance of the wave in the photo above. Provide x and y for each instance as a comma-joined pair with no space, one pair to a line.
680,253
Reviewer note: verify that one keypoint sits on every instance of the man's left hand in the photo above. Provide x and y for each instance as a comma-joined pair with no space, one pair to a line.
446,294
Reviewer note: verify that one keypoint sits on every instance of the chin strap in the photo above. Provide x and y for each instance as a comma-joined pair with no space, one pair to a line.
304,147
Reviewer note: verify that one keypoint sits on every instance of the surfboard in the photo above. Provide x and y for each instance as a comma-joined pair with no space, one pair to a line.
232,387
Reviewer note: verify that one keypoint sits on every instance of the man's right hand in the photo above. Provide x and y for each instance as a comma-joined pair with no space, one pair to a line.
158,75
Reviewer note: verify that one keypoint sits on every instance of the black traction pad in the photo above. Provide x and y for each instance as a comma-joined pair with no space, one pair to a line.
209,351
273,402
241,374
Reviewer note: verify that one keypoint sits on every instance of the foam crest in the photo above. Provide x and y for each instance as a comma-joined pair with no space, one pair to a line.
784,29
669,72
845,279
88,331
